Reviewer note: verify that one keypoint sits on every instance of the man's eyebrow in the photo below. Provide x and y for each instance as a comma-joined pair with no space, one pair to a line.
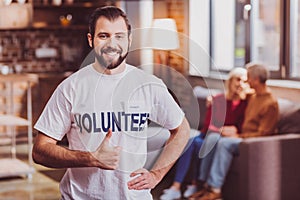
118,33
103,33
121,33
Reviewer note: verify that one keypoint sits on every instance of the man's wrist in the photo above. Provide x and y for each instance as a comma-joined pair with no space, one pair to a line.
157,175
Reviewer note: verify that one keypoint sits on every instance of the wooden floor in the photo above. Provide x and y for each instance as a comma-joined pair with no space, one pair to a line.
21,188
45,185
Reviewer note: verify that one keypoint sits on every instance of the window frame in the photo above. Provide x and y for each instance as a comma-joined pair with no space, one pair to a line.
284,68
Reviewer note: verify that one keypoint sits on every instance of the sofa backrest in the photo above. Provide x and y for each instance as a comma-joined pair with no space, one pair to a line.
289,116
289,111
201,94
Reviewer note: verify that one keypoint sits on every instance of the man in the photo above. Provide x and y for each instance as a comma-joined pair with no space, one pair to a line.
261,116
103,109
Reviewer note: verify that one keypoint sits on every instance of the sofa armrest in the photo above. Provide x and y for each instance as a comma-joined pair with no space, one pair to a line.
271,138
269,167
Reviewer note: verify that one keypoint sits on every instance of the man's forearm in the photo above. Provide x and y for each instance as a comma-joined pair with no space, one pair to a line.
172,150
52,155
55,156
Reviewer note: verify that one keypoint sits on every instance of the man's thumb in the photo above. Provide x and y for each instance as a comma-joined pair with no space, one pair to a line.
108,135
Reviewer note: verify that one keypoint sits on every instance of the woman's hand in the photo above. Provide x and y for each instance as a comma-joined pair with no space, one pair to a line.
229,131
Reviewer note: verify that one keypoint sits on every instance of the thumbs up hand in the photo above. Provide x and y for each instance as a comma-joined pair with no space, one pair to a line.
106,156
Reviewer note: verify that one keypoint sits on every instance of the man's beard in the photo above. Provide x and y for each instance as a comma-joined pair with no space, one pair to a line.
113,64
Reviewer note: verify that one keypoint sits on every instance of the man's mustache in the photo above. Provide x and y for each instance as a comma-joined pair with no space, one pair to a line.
110,49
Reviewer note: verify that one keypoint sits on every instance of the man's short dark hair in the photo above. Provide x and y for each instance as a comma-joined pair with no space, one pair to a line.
259,71
109,12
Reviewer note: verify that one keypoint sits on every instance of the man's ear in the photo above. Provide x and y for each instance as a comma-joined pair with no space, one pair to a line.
130,40
90,39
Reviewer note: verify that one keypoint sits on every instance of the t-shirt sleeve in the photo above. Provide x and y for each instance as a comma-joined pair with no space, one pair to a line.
165,110
55,120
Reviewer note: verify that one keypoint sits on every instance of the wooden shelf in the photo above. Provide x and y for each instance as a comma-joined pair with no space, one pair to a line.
50,27
11,120
19,78
11,167
71,5
58,26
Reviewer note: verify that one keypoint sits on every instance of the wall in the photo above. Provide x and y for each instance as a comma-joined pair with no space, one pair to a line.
177,10
19,47
281,89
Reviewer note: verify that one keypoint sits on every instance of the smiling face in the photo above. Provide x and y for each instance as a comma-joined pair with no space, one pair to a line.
238,84
111,42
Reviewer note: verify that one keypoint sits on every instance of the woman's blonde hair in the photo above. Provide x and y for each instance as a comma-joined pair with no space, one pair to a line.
235,72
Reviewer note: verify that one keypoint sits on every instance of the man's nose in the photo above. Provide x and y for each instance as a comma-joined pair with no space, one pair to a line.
112,42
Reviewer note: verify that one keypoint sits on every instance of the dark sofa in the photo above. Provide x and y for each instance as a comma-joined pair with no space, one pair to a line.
267,168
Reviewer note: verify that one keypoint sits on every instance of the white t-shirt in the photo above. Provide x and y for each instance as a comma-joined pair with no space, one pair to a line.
86,104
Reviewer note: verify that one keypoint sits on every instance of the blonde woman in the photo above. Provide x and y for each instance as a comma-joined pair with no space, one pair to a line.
225,111
260,119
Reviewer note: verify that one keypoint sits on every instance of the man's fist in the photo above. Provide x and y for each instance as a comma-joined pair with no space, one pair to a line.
108,157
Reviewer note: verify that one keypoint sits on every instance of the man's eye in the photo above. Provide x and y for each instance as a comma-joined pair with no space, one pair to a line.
120,37
103,36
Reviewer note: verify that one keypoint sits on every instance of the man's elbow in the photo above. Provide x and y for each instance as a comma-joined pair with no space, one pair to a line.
183,130
186,129
36,155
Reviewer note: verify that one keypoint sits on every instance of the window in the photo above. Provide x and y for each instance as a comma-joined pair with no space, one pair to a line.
199,29
241,31
295,39
265,32
222,34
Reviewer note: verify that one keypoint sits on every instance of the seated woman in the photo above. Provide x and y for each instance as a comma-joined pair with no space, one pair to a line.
224,110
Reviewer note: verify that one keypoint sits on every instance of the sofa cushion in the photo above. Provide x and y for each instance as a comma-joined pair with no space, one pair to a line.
201,93
289,115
